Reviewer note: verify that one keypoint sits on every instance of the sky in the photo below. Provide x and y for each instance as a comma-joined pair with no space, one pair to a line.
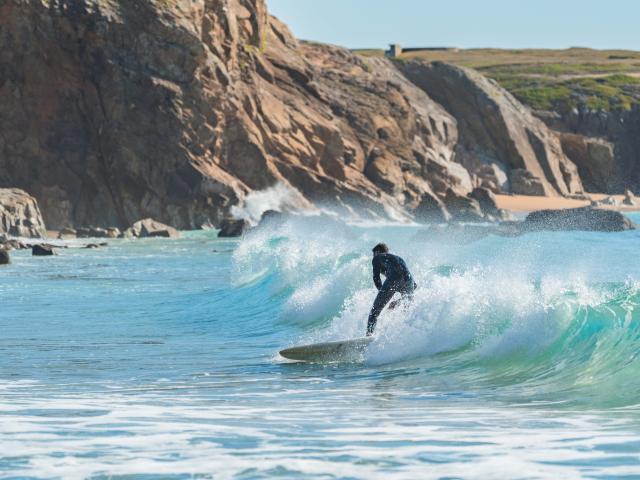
464,23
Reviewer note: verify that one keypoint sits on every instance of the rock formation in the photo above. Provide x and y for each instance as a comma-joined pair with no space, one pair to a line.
586,219
498,135
149,228
19,214
115,111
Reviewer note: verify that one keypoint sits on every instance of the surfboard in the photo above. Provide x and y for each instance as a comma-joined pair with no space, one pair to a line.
342,351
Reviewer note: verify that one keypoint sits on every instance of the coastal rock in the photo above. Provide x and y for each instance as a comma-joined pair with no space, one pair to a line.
5,258
463,208
150,228
98,232
595,159
431,210
495,128
67,234
586,219
523,182
488,204
115,111
19,214
42,250
629,198
231,227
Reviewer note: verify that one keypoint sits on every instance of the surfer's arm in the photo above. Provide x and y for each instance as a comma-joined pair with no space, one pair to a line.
376,274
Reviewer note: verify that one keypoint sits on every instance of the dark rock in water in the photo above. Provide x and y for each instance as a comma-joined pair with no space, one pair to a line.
431,210
231,227
463,209
585,219
5,259
150,228
42,250
91,245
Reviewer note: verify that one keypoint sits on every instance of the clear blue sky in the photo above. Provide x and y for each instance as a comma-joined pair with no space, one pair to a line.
465,23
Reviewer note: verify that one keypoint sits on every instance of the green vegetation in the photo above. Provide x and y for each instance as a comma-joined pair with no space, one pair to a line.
557,80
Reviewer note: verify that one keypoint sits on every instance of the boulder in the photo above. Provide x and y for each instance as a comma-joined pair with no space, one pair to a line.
523,182
586,219
5,259
42,250
19,214
67,234
431,210
488,204
463,209
231,227
629,198
150,228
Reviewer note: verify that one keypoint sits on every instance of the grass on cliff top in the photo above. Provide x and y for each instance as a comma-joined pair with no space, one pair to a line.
552,79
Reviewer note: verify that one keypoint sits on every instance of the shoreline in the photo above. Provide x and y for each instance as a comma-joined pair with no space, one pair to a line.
527,204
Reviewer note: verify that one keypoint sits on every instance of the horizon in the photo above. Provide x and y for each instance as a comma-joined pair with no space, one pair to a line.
492,24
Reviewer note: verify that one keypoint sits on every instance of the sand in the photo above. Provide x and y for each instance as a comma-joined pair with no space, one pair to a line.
524,203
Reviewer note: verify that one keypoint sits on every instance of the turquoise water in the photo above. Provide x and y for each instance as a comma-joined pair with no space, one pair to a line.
158,358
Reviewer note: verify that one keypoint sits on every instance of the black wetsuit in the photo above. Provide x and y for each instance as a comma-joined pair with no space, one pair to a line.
398,279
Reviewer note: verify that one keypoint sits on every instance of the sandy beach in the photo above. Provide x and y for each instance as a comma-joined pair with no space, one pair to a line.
525,203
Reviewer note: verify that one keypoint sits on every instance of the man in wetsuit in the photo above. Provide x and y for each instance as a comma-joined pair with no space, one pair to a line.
398,279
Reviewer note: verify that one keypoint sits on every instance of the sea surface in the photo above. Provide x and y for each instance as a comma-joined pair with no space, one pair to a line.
159,358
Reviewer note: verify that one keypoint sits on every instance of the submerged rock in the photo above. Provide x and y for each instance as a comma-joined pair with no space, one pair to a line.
586,219
5,259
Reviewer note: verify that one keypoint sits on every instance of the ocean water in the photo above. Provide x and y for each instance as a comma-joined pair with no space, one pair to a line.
158,358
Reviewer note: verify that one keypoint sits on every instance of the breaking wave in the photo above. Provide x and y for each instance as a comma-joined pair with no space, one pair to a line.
526,317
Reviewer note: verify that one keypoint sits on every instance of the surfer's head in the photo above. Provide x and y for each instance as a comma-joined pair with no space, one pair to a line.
380,248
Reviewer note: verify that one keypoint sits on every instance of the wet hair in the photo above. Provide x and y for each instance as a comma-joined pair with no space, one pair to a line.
381,248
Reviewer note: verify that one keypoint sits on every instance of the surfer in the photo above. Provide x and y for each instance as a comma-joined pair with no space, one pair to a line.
398,279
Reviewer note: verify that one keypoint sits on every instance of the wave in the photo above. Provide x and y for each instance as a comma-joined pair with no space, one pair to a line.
541,329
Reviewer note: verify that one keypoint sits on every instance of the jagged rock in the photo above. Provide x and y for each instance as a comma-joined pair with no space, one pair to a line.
231,227
595,159
587,219
431,210
5,258
523,182
494,127
150,228
19,213
42,250
115,111
463,209
488,204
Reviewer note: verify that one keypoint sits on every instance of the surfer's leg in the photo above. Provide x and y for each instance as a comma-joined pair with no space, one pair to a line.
383,297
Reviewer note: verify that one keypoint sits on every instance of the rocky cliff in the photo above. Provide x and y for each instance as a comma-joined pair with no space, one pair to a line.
114,111
605,146
501,141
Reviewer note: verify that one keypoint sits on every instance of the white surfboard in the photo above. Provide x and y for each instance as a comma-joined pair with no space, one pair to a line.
342,351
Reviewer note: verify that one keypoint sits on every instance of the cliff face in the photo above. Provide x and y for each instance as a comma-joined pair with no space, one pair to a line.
604,145
499,137
114,111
